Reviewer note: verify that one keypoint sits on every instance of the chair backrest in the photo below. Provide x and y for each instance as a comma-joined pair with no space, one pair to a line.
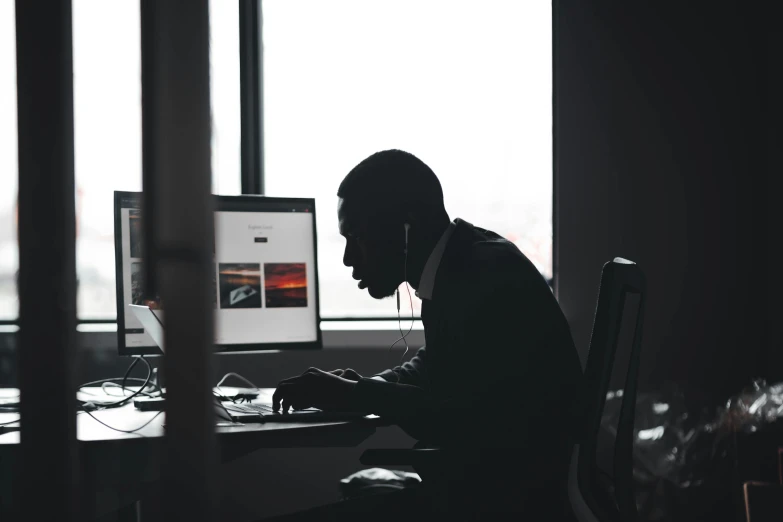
590,499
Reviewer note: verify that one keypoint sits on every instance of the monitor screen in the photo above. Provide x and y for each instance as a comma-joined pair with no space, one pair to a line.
264,274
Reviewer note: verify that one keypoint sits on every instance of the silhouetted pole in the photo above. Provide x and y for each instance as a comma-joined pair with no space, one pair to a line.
45,485
251,95
178,214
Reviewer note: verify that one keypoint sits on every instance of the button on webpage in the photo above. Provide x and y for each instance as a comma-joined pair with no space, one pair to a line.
261,239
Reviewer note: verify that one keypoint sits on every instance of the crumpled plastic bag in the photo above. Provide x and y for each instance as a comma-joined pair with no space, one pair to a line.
681,457
755,406
376,480
664,431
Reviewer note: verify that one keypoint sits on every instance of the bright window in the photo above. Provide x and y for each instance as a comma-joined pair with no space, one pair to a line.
107,135
466,86
107,138
9,254
107,121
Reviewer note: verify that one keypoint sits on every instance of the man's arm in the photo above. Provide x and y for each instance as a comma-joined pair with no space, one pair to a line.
413,372
431,420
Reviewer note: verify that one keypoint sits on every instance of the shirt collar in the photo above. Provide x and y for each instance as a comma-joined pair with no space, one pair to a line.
427,282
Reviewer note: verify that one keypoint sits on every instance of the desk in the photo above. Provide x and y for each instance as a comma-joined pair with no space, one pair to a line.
121,462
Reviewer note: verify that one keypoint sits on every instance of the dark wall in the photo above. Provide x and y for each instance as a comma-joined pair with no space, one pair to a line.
661,157
770,121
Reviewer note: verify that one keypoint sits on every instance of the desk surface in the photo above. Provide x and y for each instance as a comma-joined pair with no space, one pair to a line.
267,435
113,461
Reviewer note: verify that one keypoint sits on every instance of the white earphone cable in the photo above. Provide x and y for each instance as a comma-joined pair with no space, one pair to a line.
403,336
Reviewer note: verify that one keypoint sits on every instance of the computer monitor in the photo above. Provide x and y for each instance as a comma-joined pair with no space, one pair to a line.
264,274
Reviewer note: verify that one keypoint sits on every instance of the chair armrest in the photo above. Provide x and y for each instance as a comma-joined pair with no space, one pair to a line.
400,457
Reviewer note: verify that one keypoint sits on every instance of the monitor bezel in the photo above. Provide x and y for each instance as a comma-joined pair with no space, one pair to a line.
220,204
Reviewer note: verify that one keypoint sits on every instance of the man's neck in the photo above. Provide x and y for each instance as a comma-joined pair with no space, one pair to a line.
420,251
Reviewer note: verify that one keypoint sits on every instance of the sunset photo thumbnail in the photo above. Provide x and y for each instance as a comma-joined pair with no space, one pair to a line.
285,285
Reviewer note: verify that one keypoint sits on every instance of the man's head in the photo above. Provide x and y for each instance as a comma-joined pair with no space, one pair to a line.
377,198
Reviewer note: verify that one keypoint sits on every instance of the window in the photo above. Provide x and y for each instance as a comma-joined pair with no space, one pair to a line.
107,128
107,139
107,135
9,255
224,91
466,86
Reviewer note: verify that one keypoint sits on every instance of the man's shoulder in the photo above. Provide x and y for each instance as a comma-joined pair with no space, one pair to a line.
478,260
495,250
488,255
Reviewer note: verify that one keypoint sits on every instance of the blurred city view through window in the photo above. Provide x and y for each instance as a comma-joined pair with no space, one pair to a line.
465,86
107,135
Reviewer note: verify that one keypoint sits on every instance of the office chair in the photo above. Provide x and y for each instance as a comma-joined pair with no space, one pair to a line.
592,496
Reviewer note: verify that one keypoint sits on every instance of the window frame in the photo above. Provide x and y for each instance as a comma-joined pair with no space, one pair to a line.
252,112
251,86
251,94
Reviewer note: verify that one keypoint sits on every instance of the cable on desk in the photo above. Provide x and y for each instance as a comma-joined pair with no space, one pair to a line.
125,378
106,385
120,430
239,396
127,372
101,406
113,382
221,399
232,374
101,422
10,422
88,407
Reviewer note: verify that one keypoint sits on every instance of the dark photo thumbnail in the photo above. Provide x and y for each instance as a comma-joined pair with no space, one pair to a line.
134,225
137,288
214,285
285,285
240,285
137,283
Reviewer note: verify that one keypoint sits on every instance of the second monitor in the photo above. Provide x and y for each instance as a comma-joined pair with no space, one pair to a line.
264,274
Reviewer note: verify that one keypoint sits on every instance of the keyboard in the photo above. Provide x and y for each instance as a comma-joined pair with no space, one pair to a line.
261,412
248,407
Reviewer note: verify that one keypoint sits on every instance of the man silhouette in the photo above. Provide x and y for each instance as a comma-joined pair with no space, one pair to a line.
497,384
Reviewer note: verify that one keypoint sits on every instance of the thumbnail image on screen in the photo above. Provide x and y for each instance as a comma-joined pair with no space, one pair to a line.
285,285
240,285
214,285
137,287
137,283
134,225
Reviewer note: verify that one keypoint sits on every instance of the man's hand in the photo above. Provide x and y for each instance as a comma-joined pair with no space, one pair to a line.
347,374
314,389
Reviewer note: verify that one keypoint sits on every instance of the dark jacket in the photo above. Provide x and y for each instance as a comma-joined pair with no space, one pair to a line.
499,376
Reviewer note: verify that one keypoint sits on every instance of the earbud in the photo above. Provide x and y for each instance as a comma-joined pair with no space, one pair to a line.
403,337
407,227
